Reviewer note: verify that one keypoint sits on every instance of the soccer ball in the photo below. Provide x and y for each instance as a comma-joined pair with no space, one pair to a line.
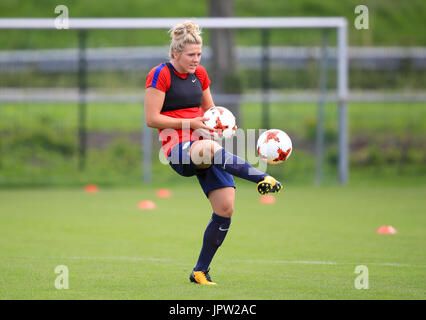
222,120
274,146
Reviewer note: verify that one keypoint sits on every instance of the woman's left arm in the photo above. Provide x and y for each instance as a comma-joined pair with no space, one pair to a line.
207,100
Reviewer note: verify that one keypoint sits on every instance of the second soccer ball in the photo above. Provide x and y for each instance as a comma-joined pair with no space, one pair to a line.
274,146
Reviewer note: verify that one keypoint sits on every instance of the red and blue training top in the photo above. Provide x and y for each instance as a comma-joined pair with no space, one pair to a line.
183,98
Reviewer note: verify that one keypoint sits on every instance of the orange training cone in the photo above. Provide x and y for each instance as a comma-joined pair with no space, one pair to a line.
164,193
267,199
386,230
91,188
146,205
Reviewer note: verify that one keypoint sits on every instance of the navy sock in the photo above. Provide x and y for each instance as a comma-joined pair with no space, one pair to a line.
237,166
213,237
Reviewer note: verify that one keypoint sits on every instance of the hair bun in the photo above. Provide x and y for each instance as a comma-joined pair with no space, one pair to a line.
186,27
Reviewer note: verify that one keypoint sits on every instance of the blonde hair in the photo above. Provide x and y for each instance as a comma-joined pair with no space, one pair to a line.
182,34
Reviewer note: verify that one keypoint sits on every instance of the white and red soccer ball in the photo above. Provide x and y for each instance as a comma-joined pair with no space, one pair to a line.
223,122
274,146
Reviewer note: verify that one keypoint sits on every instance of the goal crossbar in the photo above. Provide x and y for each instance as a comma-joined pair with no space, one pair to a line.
160,23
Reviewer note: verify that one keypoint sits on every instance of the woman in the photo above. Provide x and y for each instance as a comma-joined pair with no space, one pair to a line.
177,95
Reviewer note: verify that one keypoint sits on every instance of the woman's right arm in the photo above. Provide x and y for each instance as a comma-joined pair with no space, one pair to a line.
154,100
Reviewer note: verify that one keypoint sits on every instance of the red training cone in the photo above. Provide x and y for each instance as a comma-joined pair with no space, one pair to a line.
267,199
386,230
146,205
164,193
91,188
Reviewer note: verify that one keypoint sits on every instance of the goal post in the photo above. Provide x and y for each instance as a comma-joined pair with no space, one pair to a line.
337,23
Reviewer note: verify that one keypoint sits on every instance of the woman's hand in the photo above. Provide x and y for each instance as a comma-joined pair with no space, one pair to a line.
198,123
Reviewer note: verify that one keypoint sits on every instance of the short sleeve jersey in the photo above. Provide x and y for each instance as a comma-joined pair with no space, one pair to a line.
182,99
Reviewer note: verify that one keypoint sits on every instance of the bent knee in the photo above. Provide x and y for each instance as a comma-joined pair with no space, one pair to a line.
205,146
202,152
225,210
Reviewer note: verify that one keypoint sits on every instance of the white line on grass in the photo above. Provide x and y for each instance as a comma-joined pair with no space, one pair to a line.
386,264
166,260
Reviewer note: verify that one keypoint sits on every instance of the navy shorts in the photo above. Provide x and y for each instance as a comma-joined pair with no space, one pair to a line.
210,179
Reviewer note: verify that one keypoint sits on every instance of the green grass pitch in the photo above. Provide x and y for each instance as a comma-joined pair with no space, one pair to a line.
304,246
